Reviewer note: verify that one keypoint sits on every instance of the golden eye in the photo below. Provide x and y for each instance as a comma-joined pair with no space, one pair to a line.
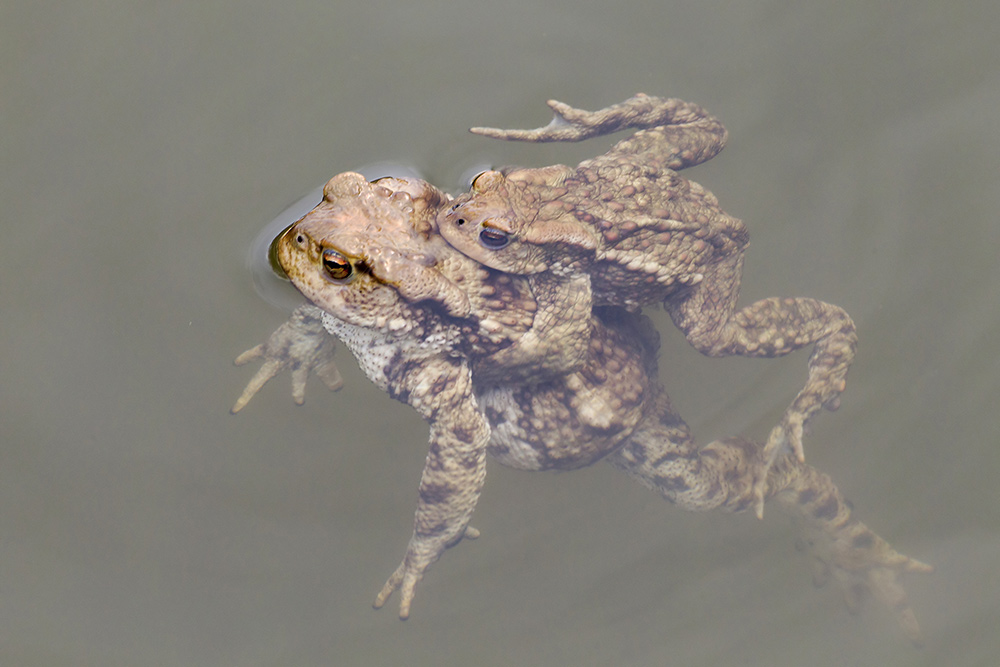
337,267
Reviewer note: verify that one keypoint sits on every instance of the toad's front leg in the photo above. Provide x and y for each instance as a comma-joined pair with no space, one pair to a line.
301,345
453,474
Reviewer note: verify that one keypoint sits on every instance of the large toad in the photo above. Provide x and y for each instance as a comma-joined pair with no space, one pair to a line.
633,230
428,326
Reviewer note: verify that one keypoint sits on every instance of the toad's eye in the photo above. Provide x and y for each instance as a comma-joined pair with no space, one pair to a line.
337,267
494,239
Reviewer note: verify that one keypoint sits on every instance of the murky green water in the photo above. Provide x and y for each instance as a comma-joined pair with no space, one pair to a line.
144,146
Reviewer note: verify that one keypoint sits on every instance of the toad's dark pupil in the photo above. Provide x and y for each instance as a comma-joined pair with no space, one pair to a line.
493,239
337,267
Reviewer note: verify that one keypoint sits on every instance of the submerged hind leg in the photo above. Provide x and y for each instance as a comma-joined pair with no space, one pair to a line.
728,473
661,454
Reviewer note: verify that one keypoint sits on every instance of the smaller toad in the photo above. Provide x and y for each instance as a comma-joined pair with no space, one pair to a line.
629,226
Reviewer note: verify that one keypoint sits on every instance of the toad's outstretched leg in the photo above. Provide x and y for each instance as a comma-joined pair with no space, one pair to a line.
771,328
844,548
726,474
677,134
455,468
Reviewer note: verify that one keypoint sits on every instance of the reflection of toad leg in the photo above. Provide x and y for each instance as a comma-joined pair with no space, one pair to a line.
662,456
771,328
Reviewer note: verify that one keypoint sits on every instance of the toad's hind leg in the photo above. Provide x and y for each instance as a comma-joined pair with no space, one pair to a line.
771,328
674,133
662,455
844,549
726,475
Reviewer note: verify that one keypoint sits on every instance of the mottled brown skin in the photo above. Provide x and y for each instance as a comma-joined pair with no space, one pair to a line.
639,233
430,346
432,328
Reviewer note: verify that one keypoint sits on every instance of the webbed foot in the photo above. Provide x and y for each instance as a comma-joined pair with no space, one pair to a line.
641,111
866,566
302,345
843,548
419,556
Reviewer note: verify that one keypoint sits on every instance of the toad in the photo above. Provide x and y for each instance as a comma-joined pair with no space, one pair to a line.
629,226
427,324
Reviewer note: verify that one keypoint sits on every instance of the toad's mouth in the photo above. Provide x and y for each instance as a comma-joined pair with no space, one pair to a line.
272,253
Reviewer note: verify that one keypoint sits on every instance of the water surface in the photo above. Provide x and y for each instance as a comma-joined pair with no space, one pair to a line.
144,147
